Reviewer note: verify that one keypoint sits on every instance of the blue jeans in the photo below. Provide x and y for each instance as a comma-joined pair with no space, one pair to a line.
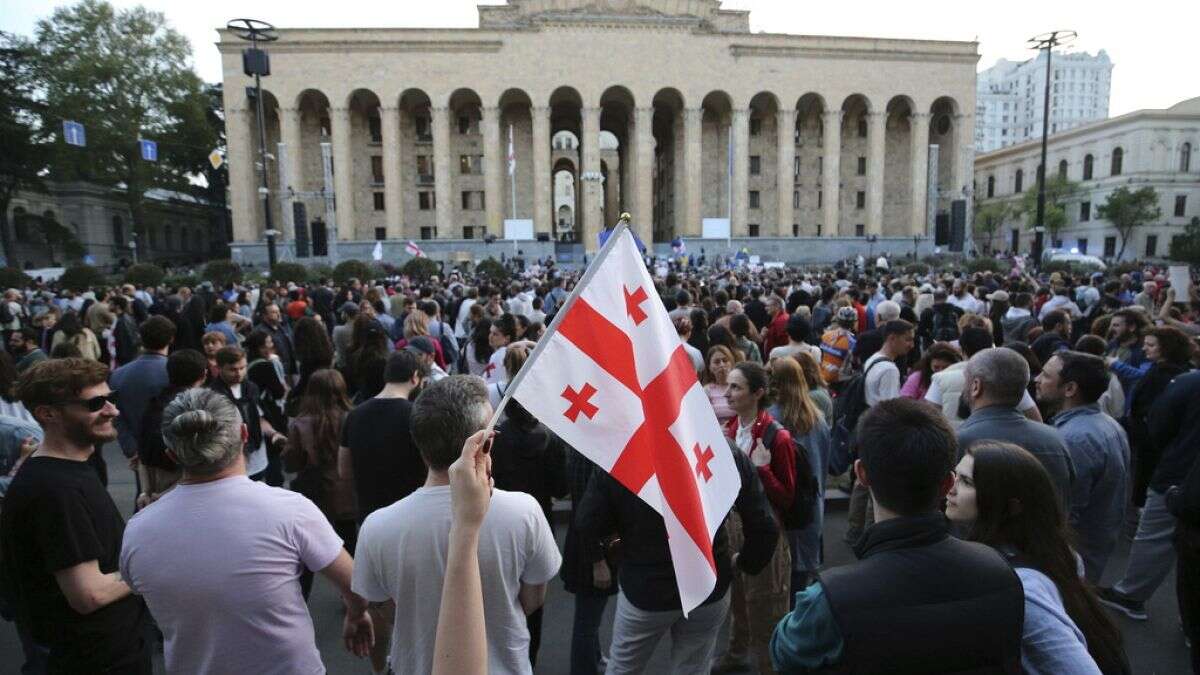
585,636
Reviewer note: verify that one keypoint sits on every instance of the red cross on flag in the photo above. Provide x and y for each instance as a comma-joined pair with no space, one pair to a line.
613,380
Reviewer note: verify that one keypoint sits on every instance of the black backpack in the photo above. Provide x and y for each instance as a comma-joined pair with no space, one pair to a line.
6,315
945,324
847,408
803,509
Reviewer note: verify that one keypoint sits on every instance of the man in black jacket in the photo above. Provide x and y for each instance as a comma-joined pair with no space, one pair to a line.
913,580
125,330
648,605
1183,501
1175,428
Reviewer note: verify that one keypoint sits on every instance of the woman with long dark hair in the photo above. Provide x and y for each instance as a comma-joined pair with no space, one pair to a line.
367,358
1004,498
311,452
1170,352
266,372
70,329
699,338
938,357
479,348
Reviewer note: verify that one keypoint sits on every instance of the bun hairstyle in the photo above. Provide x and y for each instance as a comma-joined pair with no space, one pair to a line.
203,430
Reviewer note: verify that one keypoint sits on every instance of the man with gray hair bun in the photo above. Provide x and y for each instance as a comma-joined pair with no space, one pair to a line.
996,381
402,548
218,557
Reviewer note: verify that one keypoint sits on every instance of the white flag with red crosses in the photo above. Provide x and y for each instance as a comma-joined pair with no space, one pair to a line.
613,380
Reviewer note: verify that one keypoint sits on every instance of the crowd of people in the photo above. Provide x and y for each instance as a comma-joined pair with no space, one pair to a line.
996,433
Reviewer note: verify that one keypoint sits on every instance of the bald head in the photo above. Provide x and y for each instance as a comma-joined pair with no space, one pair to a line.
996,376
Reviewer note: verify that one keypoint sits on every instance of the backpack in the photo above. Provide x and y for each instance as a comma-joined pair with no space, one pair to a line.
6,315
847,409
945,325
449,345
803,509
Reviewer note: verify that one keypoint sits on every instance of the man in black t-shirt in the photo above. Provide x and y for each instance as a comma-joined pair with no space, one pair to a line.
61,532
376,439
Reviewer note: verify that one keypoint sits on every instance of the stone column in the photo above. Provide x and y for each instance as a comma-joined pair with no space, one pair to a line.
964,143
343,174
244,192
678,177
643,204
831,176
919,137
443,181
785,128
393,196
876,139
693,164
592,189
542,180
290,132
741,170
495,169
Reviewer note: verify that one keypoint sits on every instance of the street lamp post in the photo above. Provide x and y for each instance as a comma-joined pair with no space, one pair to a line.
256,63
1045,42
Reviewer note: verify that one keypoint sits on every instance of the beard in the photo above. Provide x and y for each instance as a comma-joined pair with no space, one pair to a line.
91,432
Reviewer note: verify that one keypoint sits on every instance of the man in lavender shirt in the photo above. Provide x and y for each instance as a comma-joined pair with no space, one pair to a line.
218,558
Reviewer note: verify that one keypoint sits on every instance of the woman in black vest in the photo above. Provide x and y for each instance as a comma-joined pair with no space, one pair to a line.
1003,495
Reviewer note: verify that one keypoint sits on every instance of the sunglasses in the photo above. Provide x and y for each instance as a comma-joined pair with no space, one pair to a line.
96,403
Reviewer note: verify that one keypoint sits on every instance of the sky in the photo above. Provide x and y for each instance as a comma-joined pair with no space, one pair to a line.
1152,44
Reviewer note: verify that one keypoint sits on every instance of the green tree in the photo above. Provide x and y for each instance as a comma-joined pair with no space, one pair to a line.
1186,247
990,219
124,74
1129,209
1059,191
23,158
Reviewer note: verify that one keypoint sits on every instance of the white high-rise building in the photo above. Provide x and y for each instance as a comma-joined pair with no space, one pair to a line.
1008,99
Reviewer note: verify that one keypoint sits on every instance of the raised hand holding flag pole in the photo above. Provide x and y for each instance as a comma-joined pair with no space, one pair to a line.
612,379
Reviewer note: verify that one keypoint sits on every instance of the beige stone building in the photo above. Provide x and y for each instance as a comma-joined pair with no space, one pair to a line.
829,136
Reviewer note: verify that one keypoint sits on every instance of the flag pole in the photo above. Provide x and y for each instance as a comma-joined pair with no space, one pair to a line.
622,226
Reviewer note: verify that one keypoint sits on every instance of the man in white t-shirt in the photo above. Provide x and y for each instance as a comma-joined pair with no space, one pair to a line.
402,548
882,382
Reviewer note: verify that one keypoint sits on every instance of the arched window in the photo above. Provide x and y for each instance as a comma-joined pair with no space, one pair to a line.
1062,169
118,231
1185,158
1118,157
1087,167
991,186
1018,181
20,228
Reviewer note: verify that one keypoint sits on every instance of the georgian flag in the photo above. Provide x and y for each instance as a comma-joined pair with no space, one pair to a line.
613,380
412,249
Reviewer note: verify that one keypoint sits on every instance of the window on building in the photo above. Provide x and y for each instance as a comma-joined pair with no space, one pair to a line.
860,230
1180,205
118,229
1085,211
860,200
380,233
1185,158
424,169
377,197
1118,157
1081,244
1018,181
1151,245
472,200
755,199
820,166
426,201
1110,247
428,232
20,226
820,199
422,126
1087,167
795,199
377,169
862,166
468,124
755,126
796,168
752,229
755,165
375,128
470,165
862,127
1062,169
795,229
468,232
991,186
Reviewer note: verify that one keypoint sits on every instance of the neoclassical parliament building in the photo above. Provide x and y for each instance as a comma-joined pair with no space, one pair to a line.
672,110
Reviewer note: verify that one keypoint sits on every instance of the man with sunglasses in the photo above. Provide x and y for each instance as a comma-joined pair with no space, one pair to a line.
61,532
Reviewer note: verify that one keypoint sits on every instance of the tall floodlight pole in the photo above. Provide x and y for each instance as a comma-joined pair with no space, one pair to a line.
1045,42
255,62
